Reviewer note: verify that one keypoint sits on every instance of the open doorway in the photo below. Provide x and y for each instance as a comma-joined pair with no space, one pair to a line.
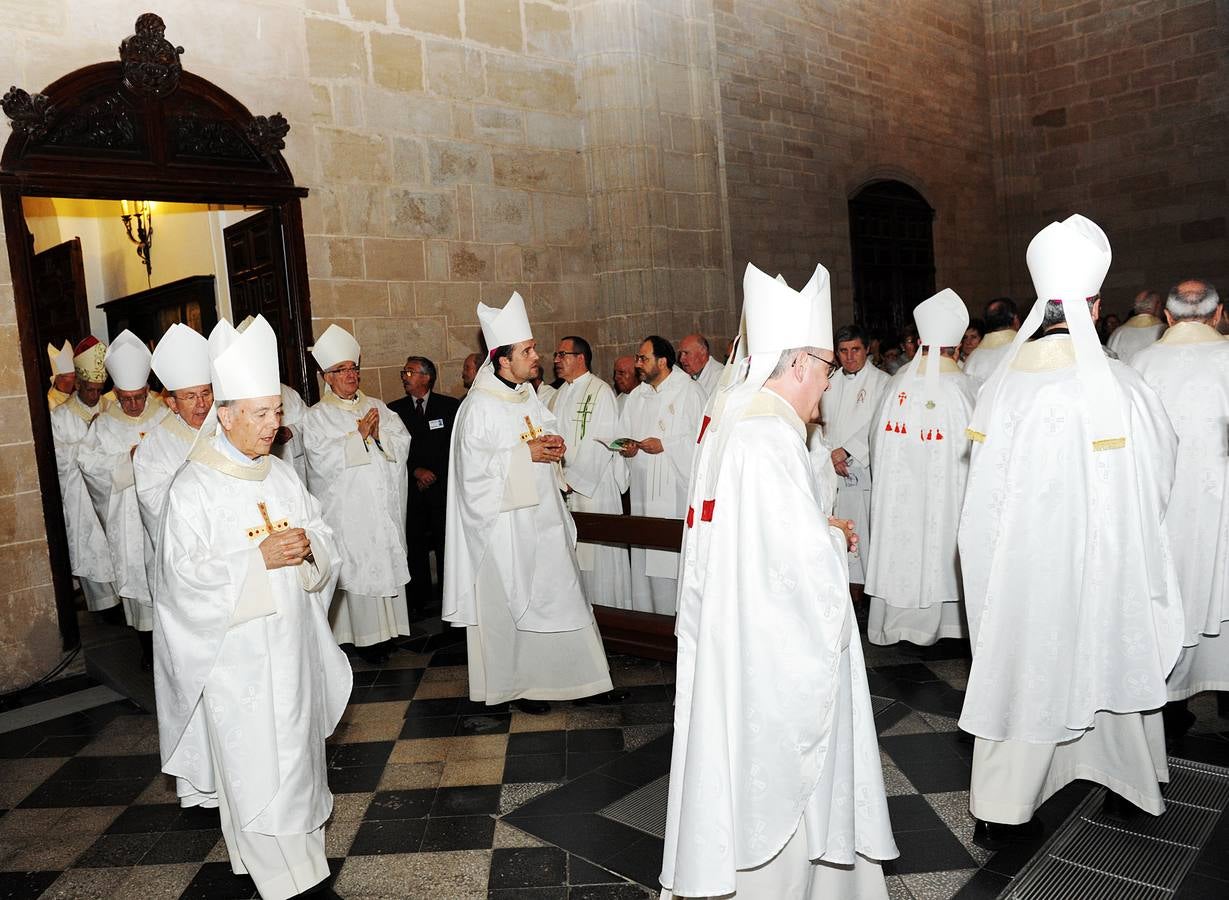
893,253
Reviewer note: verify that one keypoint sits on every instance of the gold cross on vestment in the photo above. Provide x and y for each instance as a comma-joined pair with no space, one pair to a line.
269,526
532,432
582,415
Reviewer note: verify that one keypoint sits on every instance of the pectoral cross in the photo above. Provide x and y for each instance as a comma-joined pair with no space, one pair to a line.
269,526
532,432
583,414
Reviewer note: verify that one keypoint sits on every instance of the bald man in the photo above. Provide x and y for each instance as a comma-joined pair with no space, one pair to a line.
695,360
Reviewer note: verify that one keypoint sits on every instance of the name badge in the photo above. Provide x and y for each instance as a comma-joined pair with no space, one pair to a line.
435,424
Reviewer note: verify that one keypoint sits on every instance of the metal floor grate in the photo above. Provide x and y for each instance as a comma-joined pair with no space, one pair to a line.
643,809
1098,857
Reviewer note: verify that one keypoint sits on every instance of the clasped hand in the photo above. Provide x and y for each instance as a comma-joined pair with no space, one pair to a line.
369,425
285,548
846,526
548,448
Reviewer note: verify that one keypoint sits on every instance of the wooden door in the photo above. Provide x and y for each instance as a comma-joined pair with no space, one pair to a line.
256,271
62,310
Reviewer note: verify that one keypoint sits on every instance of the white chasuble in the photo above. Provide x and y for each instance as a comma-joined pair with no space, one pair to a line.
293,452
920,455
672,413
1134,335
774,732
848,409
1189,369
588,418
510,574
1071,594
88,554
244,654
154,464
989,353
362,489
106,461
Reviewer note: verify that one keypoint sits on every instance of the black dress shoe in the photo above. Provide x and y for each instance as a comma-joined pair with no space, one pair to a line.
606,698
996,836
533,707
376,654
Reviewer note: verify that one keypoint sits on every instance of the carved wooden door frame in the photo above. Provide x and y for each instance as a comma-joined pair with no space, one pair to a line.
141,128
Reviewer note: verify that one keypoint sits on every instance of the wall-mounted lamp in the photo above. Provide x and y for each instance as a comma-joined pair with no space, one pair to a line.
138,216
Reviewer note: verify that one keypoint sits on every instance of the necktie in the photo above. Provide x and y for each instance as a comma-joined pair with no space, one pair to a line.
418,407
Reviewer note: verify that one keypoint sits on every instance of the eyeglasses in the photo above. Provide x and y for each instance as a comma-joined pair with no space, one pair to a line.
412,372
344,370
832,366
559,354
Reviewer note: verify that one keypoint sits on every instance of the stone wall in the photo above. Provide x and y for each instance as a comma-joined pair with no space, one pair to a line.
1117,110
820,98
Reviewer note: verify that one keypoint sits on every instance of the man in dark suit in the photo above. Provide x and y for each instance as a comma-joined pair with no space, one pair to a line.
429,417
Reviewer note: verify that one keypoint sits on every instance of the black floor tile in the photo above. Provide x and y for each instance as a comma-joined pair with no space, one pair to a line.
152,818
580,763
355,779
375,838
110,768
935,745
61,745
608,892
433,727
399,677
383,693
450,657
116,850
534,742
637,768
641,862
425,709
466,801
1197,886
117,792
182,847
1010,860
586,794
911,812
484,724
400,805
1208,749
581,871
540,767
559,892
527,867
458,833
931,850
196,818
589,739
647,713
467,707
373,753
587,835
985,885
216,881
933,776
649,693
25,885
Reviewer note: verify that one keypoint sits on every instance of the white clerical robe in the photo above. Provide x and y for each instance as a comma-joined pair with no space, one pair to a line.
88,554
153,465
1134,335
510,574
775,759
1189,368
920,455
989,353
1072,599
848,409
671,412
106,462
249,680
362,492
587,418
293,411
709,376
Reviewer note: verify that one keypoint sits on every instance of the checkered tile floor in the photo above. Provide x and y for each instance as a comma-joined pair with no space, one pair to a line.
438,797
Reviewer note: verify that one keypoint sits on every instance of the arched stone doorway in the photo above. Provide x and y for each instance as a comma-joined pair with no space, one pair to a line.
892,248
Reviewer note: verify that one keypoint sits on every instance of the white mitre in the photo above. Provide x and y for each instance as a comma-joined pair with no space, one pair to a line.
780,318
501,327
941,321
181,359
244,365
61,359
128,361
334,346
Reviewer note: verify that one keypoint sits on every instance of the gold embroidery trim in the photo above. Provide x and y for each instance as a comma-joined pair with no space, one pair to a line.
975,435
1109,444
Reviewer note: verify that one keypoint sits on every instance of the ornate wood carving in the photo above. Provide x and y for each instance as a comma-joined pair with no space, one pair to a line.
151,62
106,124
204,137
268,133
31,114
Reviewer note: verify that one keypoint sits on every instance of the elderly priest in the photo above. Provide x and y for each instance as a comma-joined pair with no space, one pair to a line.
920,455
63,375
88,553
249,679
356,467
1074,613
774,732
106,461
510,577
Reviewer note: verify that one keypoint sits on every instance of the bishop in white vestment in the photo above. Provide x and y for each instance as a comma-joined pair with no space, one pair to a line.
776,786
1142,330
1002,321
510,575
249,681
356,467
595,477
662,416
848,411
1073,605
920,455
106,461
88,554
289,444
63,375
1189,368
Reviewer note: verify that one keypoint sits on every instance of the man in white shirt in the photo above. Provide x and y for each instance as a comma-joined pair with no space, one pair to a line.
662,419
849,408
695,360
